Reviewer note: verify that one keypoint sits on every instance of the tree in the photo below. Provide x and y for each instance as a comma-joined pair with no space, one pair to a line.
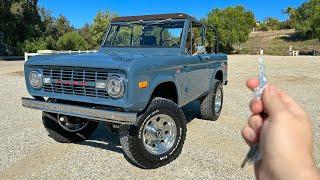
233,25
291,16
99,26
85,33
49,27
306,18
63,25
272,23
20,20
72,41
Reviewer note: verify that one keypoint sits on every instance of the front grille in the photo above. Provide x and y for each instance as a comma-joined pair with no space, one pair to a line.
79,82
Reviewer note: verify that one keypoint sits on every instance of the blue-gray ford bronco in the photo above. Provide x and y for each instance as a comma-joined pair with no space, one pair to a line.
146,69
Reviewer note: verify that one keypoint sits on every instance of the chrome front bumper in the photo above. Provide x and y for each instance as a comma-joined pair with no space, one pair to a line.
79,111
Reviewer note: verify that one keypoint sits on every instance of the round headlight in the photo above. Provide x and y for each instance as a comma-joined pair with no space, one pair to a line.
115,87
35,79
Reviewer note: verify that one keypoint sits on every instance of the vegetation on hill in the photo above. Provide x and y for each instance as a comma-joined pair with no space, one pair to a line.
306,19
271,24
274,43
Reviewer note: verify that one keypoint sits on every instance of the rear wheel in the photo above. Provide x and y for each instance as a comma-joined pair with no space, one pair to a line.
67,129
158,137
211,105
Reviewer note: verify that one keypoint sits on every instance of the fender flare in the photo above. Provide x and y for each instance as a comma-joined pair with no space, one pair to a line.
213,78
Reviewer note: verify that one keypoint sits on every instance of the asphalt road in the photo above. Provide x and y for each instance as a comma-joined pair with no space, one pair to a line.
213,150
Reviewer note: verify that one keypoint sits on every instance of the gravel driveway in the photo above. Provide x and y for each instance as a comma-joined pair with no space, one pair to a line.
213,150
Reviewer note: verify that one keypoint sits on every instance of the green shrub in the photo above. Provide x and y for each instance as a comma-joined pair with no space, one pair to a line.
72,41
34,45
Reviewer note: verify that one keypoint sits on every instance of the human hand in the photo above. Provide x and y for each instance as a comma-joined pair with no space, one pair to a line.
284,133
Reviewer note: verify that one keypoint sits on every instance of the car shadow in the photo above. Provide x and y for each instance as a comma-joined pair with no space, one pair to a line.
105,139
191,110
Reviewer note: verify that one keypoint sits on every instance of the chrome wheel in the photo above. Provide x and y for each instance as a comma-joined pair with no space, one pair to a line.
72,124
218,101
159,134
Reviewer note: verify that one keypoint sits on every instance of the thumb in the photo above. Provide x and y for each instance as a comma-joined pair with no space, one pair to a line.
272,101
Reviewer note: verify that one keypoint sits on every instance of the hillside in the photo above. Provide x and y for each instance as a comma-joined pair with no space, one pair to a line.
278,43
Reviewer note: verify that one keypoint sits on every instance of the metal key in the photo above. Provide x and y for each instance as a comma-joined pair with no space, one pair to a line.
253,155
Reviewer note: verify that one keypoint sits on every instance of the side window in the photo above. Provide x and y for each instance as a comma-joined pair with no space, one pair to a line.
195,38
197,31
189,42
211,43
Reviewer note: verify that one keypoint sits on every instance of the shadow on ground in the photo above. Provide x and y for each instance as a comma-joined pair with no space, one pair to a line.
104,138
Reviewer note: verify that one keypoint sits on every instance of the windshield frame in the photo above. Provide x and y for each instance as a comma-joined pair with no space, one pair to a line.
150,22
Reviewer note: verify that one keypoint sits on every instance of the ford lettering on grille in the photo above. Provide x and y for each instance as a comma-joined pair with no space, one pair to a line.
73,81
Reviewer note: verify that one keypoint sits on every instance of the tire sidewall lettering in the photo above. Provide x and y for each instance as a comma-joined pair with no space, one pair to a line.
177,141
175,147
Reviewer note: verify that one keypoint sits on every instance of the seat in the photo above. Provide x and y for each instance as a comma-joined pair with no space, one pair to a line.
148,41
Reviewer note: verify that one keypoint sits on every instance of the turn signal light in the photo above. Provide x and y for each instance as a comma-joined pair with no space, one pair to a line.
143,84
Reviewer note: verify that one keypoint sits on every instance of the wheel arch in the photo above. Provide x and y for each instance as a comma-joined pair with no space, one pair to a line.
218,75
165,89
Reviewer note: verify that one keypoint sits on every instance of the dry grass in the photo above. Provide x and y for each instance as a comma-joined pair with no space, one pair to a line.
278,44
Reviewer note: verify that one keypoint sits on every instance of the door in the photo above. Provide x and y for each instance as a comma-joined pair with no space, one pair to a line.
198,76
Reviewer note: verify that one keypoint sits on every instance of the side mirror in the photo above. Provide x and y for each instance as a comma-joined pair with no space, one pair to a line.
200,50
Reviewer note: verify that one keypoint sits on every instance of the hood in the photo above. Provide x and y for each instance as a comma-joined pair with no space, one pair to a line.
94,60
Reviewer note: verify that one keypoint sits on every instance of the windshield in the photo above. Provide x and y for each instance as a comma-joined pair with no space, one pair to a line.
165,34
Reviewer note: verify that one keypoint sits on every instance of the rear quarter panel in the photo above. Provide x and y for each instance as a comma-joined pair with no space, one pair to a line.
219,62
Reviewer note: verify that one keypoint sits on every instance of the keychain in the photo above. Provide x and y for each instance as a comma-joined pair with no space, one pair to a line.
254,155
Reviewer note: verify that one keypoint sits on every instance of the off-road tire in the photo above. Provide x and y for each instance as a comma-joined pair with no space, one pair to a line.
56,132
132,141
207,104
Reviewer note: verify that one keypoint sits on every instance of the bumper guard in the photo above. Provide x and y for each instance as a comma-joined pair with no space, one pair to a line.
79,111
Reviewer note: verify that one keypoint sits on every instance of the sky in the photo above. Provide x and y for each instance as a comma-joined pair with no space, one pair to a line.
80,12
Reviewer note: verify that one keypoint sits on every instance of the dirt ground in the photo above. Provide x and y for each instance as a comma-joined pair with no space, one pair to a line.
10,66
213,150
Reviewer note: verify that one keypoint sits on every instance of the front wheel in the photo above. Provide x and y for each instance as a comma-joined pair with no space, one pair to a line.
211,105
68,129
158,137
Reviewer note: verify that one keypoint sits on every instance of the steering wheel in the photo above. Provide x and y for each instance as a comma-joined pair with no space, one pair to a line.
169,40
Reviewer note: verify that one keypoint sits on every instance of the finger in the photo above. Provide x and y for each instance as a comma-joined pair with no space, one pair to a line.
249,143
249,135
252,83
290,103
256,106
272,102
255,123
246,139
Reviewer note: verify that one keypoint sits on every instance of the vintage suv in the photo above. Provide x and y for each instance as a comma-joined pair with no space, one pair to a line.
147,68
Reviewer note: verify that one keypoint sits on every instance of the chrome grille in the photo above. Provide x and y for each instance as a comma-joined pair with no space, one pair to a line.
74,81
